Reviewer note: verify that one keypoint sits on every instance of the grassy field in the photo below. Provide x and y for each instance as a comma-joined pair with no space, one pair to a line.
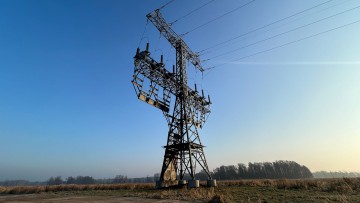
312,190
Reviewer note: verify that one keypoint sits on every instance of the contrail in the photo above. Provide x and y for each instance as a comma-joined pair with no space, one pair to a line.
299,63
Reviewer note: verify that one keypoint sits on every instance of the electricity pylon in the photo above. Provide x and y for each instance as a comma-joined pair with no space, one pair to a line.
183,150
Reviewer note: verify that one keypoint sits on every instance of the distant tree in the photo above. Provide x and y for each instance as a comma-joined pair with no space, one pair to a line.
278,169
335,174
16,183
104,181
55,181
275,170
258,170
202,175
70,180
85,180
251,171
220,173
149,179
231,172
156,176
120,179
242,171
306,173
269,170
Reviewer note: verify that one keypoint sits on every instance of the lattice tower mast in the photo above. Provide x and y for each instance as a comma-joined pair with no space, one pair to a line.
184,149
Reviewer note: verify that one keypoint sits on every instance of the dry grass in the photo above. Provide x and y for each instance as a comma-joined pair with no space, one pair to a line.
198,194
145,190
57,188
341,185
329,190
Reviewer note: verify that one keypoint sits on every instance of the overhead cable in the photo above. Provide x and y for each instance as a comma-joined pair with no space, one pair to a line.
169,2
282,45
217,18
265,31
262,27
191,12
143,34
283,33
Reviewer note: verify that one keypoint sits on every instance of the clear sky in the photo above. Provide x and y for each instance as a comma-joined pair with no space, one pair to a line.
67,106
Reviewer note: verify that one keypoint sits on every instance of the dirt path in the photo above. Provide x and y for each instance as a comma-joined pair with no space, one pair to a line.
79,199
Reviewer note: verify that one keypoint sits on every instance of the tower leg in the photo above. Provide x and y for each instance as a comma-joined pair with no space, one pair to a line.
194,183
211,183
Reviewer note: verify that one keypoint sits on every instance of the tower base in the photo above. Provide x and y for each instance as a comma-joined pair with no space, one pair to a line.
194,184
182,183
211,183
165,184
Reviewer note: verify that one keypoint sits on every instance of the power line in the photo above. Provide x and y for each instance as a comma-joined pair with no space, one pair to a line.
169,2
282,45
191,12
267,25
143,34
202,25
277,35
265,31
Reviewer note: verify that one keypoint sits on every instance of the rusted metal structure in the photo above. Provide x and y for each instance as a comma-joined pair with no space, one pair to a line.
156,85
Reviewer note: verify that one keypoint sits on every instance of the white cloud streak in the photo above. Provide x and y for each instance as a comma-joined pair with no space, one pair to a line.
299,63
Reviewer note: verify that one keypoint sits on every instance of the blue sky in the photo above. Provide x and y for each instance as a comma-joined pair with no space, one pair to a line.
67,106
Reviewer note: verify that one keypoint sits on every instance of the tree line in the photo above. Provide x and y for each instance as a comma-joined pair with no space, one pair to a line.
19,183
264,170
83,180
335,174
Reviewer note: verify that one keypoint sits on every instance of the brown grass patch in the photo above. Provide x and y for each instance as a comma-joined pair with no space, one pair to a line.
73,187
341,185
342,189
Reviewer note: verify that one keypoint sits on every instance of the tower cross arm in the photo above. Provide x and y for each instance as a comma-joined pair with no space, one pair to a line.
165,29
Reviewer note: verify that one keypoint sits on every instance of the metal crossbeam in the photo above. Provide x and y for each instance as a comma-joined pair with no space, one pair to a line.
165,29
158,74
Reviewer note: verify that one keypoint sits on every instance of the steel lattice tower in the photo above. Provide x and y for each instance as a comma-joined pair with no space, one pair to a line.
183,150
